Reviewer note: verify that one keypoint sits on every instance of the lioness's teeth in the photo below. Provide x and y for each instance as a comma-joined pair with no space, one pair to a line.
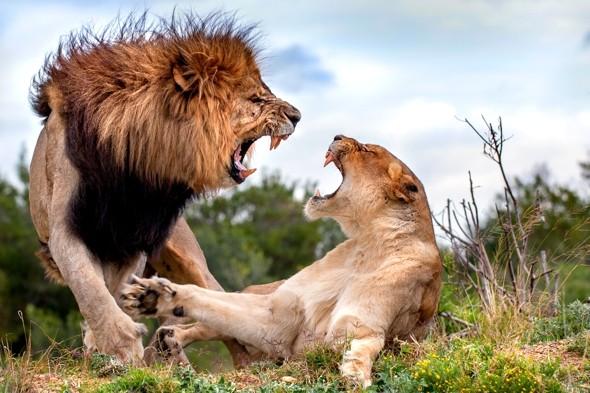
329,158
317,193
247,172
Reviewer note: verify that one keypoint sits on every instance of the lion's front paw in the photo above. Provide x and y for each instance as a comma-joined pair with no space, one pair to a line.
150,296
120,336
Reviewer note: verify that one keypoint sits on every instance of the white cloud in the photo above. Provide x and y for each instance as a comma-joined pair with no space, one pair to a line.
420,116
403,71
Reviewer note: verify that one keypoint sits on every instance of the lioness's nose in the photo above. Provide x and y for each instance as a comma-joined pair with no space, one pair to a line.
293,115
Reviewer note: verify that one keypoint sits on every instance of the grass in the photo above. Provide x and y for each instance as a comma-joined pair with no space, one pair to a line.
486,360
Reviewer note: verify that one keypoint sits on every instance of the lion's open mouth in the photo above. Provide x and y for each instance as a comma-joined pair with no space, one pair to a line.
238,171
330,157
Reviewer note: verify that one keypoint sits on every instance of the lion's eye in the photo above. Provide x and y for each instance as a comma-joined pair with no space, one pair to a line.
256,100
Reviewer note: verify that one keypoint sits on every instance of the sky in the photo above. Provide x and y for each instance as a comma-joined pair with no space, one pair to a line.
399,73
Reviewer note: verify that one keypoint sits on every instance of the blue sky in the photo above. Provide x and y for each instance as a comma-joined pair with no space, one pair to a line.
399,73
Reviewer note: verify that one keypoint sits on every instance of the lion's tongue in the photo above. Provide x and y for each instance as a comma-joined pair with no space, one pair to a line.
244,172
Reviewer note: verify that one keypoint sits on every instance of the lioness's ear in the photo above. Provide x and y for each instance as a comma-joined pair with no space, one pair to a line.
402,185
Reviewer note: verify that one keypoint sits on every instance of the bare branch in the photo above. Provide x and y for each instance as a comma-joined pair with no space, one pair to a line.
453,318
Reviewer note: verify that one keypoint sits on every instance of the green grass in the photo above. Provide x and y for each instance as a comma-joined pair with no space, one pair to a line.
574,279
492,358
569,321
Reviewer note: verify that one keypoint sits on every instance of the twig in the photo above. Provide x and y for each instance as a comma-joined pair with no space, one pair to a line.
445,314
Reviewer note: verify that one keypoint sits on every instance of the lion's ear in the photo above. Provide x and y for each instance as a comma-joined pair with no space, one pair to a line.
183,80
403,186
194,73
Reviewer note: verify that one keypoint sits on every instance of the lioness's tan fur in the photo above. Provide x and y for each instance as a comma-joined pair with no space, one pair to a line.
164,104
382,283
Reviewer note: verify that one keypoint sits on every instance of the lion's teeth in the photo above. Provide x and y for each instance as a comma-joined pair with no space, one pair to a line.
247,172
275,141
317,193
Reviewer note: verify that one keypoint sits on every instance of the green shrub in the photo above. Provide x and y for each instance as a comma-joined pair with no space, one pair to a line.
465,366
140,380
570,320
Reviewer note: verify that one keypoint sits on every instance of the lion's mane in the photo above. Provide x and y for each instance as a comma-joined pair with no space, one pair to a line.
144,146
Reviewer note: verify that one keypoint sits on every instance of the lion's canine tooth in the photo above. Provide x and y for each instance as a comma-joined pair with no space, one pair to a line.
245,173
275,141
317,193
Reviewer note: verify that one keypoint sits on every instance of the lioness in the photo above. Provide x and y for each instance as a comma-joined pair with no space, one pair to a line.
138,120
381,283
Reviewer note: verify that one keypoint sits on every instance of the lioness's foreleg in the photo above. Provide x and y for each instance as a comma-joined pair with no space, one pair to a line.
364,344
266,322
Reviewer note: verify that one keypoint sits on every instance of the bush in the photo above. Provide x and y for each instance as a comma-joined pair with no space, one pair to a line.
570,320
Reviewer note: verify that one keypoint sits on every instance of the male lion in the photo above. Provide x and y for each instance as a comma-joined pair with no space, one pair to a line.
138,120
383,282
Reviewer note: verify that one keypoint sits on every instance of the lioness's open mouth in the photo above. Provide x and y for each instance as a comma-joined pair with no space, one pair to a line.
330,157
238,171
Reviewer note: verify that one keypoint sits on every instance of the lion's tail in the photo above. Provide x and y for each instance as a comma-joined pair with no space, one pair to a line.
51,270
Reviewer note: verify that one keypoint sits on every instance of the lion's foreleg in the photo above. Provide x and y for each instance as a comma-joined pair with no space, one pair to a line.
114,331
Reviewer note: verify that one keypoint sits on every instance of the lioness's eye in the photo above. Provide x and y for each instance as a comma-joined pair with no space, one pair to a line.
256,100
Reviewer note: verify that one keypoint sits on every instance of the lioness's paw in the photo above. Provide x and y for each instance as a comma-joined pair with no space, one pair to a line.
149,296
167,343
353,369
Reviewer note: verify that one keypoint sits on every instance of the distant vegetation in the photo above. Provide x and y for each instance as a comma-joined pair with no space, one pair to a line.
518,324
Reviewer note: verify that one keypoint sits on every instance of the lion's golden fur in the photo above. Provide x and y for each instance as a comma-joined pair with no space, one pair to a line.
382,283
125,79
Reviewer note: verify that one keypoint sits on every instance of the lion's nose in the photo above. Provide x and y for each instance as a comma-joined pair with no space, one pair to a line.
293,115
